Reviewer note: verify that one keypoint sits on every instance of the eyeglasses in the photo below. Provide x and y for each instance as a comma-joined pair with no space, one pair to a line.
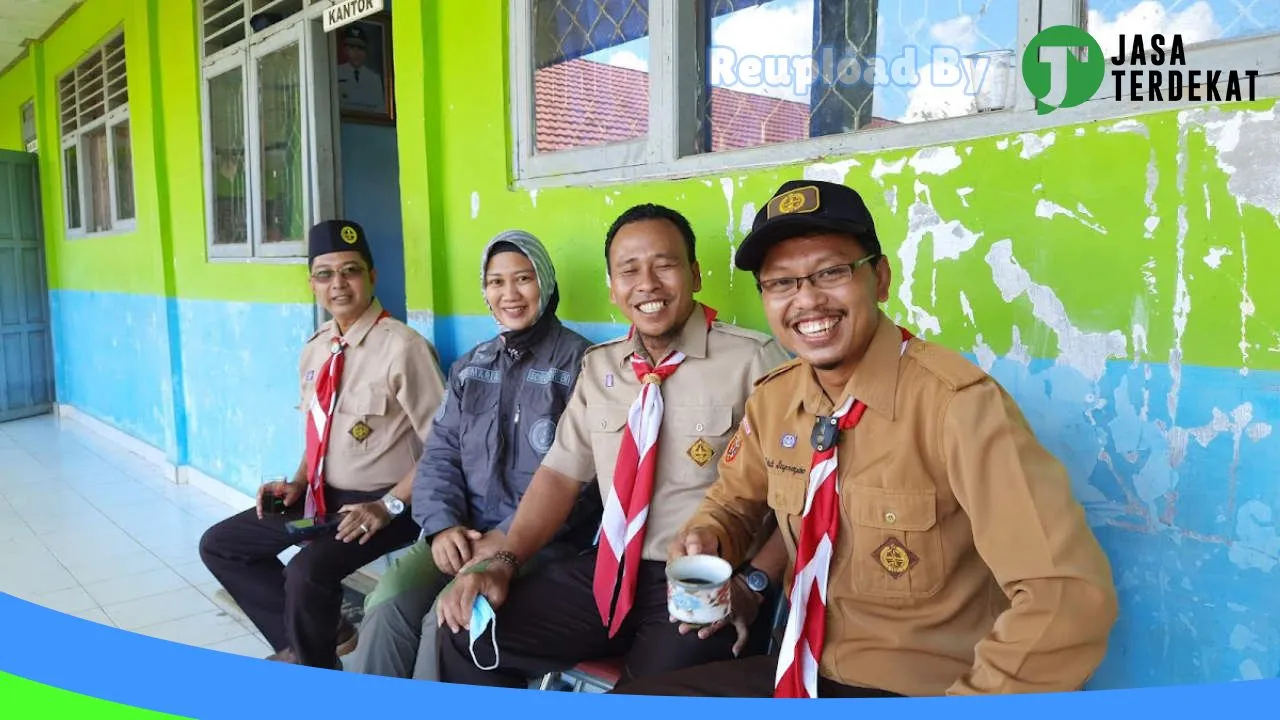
348,272
825,278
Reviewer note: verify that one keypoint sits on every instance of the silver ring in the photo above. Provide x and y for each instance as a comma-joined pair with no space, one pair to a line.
364,529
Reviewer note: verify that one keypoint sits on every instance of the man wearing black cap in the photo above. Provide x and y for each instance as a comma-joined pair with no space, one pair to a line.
934,545
370,387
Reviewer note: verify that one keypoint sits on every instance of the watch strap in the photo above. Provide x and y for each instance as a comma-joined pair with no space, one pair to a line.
393,504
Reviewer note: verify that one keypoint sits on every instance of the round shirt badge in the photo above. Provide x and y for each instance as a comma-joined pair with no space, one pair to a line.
788,441
542,434
349,235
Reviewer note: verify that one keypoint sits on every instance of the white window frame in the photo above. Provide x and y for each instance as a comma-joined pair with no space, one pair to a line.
665,152
76,138
315,74
31,144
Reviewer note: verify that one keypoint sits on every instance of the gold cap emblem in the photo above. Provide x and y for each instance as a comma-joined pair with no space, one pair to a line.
349,235
801,200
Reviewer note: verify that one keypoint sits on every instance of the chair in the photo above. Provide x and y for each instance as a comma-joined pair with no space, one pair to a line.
604,674
600,674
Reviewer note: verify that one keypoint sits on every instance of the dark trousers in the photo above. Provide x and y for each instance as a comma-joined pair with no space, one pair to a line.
550,622
296,606
751,677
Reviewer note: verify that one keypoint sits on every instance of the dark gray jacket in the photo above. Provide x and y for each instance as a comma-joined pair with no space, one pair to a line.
497,421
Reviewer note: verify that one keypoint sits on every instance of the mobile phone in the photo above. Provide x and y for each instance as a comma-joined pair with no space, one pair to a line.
311,527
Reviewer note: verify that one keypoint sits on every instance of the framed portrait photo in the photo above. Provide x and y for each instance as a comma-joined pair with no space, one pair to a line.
364,73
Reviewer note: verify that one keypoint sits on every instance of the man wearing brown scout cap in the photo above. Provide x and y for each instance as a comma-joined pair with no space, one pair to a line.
934,545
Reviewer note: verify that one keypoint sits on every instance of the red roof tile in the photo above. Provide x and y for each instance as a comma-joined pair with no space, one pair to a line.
582,103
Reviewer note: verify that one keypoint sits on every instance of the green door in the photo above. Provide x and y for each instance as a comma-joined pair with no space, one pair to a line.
26,348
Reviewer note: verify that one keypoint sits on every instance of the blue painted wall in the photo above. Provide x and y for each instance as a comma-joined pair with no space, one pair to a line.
240,363
111,360
1180,497
1186,522
371,197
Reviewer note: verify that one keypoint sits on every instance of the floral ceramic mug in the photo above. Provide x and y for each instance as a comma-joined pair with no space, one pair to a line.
698,589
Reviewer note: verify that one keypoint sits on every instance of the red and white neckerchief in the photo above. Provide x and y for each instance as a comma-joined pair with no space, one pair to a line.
320,422
797,675
622,527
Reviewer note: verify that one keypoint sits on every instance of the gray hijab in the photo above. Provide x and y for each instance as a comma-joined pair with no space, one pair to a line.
548,292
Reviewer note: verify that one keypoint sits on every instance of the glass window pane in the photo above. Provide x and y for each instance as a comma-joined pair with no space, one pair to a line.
28,123
98,179
227,134
71,170
1198,21
591,72
787,70
120,145
280,117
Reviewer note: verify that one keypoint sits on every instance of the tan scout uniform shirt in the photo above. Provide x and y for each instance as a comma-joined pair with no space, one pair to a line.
702,405
391,387
944,463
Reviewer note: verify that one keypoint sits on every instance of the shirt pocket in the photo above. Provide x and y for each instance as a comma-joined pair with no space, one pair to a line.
700,434
360,421
605,423
786,495
897,544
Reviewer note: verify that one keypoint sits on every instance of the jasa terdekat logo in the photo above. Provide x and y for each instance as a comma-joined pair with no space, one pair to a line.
1064,66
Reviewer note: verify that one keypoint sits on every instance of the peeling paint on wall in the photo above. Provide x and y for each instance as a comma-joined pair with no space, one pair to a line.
834,172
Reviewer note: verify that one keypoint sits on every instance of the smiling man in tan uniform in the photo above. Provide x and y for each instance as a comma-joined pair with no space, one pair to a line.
959,561
573,610
388,390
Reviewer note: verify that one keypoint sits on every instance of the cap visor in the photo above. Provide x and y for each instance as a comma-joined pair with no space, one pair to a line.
756,245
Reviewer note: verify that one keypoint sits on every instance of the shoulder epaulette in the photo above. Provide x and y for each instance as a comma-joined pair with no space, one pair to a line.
742,332
607,343
785,367
949,366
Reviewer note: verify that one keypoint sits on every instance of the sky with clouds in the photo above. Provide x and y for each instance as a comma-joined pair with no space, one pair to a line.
931,83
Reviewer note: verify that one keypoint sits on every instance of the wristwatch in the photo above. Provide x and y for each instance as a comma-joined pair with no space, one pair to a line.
757,580
394,505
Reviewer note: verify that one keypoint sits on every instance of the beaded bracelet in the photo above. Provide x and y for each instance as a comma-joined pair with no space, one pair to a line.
507,557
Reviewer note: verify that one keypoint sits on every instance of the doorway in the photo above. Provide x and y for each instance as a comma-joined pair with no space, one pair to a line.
26,346
369,155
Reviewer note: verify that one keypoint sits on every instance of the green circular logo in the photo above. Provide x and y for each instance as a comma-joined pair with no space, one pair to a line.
1057,77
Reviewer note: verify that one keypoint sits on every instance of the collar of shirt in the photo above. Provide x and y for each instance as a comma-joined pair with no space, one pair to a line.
692,340
359,330
874,382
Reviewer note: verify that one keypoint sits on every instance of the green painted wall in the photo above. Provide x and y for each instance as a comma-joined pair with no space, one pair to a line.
120,262
451,69
196,277
1100,282
165,254
16,87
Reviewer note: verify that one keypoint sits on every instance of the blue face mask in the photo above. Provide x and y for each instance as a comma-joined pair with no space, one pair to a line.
481,616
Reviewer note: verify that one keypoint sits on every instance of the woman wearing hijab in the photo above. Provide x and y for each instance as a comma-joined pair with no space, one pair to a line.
497,422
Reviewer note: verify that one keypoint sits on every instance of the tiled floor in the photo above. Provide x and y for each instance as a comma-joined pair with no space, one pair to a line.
92,530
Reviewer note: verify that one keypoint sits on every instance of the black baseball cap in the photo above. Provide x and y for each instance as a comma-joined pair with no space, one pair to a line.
804,206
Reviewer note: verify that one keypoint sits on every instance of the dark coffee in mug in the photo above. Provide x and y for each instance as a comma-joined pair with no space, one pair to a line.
696,581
